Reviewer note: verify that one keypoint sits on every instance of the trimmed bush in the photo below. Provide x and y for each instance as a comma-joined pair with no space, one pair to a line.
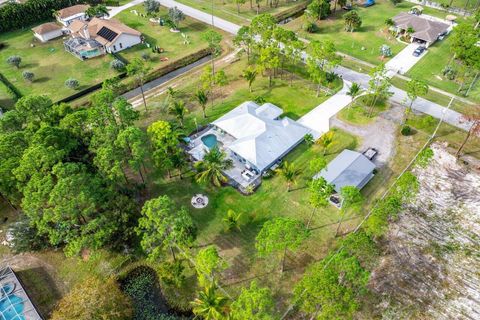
28,75
310,27
406,131
117,65
14,61
72,83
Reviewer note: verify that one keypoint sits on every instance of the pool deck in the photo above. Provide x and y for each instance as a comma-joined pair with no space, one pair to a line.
197,150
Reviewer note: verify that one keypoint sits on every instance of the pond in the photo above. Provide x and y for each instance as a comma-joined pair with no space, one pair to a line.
142,286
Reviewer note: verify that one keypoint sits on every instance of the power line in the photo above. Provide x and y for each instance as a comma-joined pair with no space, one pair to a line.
444,111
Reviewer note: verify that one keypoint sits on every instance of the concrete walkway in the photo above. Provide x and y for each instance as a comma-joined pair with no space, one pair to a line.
404,60
113,11
318,119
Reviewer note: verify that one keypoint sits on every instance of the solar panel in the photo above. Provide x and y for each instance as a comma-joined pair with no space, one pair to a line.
107,34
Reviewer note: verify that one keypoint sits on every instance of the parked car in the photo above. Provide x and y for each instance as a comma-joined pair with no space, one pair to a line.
347,7
442,35
418,52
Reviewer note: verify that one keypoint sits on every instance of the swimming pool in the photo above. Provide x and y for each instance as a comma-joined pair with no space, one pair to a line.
11,306
209,140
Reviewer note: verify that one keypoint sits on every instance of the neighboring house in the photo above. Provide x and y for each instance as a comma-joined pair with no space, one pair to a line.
349,168
47,31
74,13
253,136
98,36
426,30
15,303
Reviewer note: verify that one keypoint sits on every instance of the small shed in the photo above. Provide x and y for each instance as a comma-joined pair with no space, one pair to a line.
349,168
47,31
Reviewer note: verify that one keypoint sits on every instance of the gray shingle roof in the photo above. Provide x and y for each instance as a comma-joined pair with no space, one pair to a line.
425,29
349,168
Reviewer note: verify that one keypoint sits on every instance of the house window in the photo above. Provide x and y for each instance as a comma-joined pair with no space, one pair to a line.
114,48
121,46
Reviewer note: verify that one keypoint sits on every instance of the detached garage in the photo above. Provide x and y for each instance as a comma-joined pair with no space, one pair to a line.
47,31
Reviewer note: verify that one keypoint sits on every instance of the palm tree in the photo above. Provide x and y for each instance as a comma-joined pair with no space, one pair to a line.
326,140
209,306
212,166
232,220
202,98
250,74
410,31
353,92
389,22
289,173
178,109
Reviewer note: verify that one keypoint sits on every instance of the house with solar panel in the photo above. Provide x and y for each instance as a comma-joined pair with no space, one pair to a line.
97,37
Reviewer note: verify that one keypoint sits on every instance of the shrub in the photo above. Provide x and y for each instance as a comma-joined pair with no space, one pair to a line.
28,75
151,6
260,99
117,65
406,130
141,285
14,61
72,83
310,27
26,238
2,45
145,56
449,72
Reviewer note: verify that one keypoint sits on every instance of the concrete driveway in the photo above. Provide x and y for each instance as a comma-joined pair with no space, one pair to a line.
404,60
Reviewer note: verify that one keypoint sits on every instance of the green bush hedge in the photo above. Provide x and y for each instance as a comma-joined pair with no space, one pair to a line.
11,89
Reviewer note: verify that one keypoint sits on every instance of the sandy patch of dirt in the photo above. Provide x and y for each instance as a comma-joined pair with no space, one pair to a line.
432,262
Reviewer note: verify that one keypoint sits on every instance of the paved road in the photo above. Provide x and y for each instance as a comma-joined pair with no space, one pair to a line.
399,96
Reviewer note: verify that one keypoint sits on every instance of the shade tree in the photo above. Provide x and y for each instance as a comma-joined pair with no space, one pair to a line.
279,235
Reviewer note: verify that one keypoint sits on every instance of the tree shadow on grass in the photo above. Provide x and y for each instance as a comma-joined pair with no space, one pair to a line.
41,288
29,65
41,80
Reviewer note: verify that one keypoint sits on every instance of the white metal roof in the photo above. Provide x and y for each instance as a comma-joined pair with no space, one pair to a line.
262,138
349,168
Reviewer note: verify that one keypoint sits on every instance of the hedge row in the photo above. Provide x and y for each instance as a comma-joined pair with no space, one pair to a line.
294,12
11,89
157,73
15,15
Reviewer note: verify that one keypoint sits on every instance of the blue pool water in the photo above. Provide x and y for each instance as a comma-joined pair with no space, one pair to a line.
11,308
210,140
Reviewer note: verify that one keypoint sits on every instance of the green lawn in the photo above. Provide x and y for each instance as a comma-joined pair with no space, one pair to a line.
227,9
6,100
430,68
365,43
155,35
359,111
51,64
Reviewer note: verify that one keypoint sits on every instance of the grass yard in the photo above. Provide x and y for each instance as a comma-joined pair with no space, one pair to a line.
429,69
364,43
156,35
358,112
51,64
227,9
295,98
6,101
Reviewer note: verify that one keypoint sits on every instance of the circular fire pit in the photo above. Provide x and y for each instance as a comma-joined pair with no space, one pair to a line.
199,201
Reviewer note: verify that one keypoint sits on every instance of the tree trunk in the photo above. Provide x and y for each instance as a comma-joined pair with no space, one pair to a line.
466,139
339,223
204,113
283,259
288,186
141,175
311,217
318,90
173,253
143,97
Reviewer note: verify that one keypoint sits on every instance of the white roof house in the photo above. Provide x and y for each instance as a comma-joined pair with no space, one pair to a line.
349,168
47,31
261,138
67,15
